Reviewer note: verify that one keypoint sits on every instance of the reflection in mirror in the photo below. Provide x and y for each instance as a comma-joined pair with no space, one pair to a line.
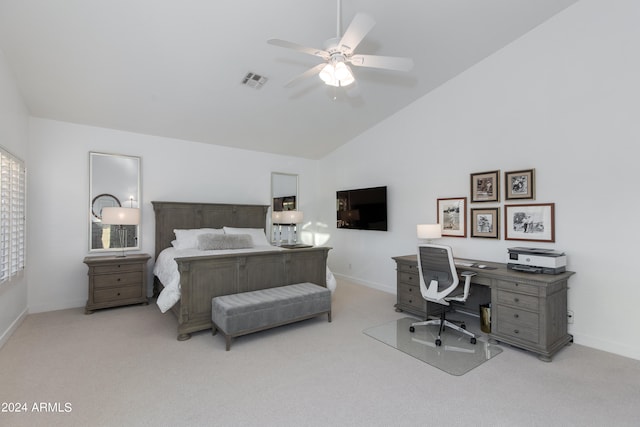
284,191
114,181
284,197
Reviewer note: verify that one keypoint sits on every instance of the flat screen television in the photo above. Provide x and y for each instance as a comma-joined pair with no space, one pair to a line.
362,209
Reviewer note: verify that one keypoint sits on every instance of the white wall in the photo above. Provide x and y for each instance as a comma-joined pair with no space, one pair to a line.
13,137
171,171
563,99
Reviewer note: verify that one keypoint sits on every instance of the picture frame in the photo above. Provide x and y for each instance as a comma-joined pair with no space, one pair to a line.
485,186
520,185
452,216
532,222
485,222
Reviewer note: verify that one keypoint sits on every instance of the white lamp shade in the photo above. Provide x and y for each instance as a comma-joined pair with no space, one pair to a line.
292,217
121,216
429,231
276,217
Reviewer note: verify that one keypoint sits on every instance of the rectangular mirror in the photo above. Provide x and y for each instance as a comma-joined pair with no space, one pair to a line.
114,181
284,191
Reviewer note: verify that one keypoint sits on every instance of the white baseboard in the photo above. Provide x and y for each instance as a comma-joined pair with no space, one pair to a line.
12,328
374,285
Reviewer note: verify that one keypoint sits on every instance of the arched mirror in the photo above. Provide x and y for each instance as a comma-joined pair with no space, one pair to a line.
114,181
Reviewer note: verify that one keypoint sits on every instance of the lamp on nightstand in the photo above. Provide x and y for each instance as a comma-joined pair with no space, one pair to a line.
429,232
292,219
121,216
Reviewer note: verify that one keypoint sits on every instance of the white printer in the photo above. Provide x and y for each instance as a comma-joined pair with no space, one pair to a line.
536,260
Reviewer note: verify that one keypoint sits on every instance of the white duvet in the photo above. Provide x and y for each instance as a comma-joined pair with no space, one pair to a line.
166,269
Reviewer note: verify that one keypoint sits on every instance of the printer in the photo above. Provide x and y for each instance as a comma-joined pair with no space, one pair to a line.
536,260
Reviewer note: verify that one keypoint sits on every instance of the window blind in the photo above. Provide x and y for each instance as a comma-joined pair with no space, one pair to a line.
12,215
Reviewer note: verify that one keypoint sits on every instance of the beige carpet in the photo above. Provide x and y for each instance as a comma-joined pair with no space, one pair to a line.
124,367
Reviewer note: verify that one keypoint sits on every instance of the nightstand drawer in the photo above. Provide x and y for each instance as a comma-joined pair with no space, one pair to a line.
116,268
122,279
116,294
518,300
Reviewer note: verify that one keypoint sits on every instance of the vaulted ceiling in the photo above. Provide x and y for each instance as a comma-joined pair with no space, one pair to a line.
175,68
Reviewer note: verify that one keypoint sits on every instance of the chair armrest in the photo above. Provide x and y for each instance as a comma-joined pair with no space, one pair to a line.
468,273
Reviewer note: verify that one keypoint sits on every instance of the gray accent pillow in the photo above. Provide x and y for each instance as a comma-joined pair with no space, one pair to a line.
208,241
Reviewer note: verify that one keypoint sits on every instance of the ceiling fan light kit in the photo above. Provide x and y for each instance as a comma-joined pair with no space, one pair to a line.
337,74
340,51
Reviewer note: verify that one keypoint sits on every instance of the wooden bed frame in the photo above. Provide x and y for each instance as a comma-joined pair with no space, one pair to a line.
205,277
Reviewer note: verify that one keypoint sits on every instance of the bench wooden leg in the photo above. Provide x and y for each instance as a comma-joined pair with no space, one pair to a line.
228,339
329,316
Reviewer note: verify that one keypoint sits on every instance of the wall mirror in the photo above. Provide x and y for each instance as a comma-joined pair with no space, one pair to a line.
284,191
114,181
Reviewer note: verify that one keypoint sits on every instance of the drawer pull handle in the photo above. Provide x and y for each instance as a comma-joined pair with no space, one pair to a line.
410,301
516,299
118,293
118,265
515,331
516,315
118,279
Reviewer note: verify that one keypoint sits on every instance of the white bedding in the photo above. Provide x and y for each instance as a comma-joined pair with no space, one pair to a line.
166,269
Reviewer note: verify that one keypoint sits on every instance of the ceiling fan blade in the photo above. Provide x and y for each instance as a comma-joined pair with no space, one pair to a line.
310,72
384,62
358,29
290,45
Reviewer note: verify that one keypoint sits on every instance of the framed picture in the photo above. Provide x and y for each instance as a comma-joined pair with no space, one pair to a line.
519,185
485,223
485,187
530,222
452,216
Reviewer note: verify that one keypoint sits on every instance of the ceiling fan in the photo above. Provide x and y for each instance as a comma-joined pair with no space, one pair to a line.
338,53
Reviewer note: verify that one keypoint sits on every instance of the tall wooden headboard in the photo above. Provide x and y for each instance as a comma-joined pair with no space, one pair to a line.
181,215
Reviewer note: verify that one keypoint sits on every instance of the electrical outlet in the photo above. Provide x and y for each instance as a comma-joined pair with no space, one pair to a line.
570,316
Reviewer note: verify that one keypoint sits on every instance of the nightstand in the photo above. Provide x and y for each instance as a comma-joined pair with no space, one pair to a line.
116,281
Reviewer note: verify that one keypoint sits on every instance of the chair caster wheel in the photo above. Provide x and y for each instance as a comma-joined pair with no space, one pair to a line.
473,340
463,325
412,329
438,342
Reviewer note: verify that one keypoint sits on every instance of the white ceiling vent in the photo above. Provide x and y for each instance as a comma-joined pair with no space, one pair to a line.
254,80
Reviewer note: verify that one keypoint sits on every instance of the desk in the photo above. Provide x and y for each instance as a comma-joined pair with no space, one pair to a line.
528,310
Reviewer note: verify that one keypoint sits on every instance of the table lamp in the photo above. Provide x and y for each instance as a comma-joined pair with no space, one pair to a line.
120,216
429,232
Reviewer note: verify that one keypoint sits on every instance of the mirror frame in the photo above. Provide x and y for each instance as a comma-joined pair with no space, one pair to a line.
112,198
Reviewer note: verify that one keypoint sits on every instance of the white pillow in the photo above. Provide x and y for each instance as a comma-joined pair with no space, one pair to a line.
188,239
257,234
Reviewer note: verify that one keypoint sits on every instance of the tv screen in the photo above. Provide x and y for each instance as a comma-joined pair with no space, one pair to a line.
362,209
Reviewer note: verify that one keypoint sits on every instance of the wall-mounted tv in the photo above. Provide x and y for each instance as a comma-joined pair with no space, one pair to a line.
362,209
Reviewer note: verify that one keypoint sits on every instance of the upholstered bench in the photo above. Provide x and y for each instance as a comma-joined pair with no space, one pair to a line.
247,312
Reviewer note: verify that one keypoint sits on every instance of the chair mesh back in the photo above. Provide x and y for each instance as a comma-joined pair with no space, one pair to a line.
435,266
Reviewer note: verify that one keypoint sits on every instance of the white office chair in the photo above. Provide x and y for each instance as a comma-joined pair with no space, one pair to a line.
439,284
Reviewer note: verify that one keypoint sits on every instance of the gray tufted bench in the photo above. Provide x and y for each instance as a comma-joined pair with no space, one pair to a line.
243,313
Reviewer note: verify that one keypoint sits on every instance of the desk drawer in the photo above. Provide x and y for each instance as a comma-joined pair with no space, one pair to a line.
518,331
409,278
410,295
517,287
121,279
409,268
518,300
515,316
116,294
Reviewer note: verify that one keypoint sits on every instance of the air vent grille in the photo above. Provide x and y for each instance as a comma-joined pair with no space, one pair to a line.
254,80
